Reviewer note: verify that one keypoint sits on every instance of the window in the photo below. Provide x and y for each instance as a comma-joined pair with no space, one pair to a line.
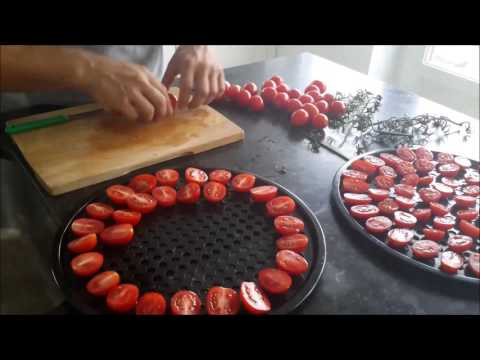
460,60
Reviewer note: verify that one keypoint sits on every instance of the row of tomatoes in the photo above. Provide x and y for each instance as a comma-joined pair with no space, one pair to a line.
145,192
309,107
384,170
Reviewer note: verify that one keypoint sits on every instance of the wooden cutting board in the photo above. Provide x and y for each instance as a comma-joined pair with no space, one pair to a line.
99,147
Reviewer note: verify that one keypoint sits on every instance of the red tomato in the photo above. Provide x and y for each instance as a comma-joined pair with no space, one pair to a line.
299,118
274,281
363,165
438,209
220,176
399,238
450,262
233,91
288,225
143,183
425,180
474,264
422,215
472,178
189,194
84,226
185,302
311,109
263,193
387,171
404,168
378,224
406,153
384,182
99,211
214,192
291,262
127,217
423,153
337,108
465,201
254,299
102,283
167,177
471,190
120,234
223,96
142,203
378,194
410,179
328,98
321,86
151,303
277,80
405,202
311,87
173,100
354,186
388,207
444,158
322,106
196,176
86,264
405,190
357,199
251,88
433,234
424,166
355,174
460,243
429,195
294,93
293,105
296,242
243,98
468,215
268,94
269,83
390,159
469,229
364,211
256,103
166,196
445,191
84,244
283,88
443,222
320,121
449,170
222,301
281,100
123,298
281,205
306,99
375,161
463,162
453,183
404,219
119,194
425,249
243,182
316,96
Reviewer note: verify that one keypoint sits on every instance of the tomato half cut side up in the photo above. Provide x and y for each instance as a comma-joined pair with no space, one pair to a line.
378,224
406,153
222,301
167,177
143,183
122,298
467,214
263,193
296,242
151,303
388,207
450,262
288,225
469,229
196,176
355,186
84,226
243,182
254,299
460,243
86,264
220,176
474,264
84,244
166,196
281,205
118,194
214,192
357,199
422,215
363,212
377,194
274,281
185,302
189,194
143,203
355,174
425,249
384,182
399,238
102,283
364,166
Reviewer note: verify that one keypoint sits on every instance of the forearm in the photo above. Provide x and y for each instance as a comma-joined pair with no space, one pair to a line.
43,68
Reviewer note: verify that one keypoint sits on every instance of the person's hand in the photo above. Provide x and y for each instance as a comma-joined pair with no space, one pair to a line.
201,76
126,89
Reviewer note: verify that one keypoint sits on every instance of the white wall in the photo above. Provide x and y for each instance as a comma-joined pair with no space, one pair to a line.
230,56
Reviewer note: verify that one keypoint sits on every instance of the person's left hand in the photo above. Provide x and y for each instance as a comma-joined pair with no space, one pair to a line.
201,76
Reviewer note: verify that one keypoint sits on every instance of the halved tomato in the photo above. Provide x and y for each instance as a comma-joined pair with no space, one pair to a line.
424,166
120,234
214,192
406,153
254,299
425,249
433,234
404,168
460,243
127,217
387,171
429,195
425,180
390,159
438,209
274,281
423,153
472,178
364,211
143,183
166,196
167,177
474,264
151,303
377,194
288,225
471,190
99,210
449,170
444,158
102,283
410,179
189,194
467,214
220,176
444,222
86,264
422,215
84,244
404,202
469,229
122,298
263,193
222,301
378,224
404,219
355,185
281,205
295,242
405,190
364,166
355,174
143,203
450,262
357,199
119,194
291,262
243,182
399,238
465,201
196,176
185,302
375,161
384,182
388,206
84,226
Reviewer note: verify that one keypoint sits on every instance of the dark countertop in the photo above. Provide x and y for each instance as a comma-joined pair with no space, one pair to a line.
358,278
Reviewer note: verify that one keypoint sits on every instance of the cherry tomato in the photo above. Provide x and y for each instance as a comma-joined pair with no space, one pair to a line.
464,201
320,121
468,229
354,185
364,211
433,234
406,153
299,118
463,162
422,215
223,96
293,105
460,243
296,242
378,224
142,203
185,302
378,194
166,196
288,225
277,80
294,93
444,158
120,234
438,209
449,170
365,166
99,211
220,176
214,192
254,299
316,96
283,88
424,166
471,190
243,182
143,183
281,100
355,174
291,262
450,262
311,109
387,171
404,168
222,301
388,207
468,214
423,153
196,176
390,159
399,238
269,83
251,88
329,98
321,85
429,195
405,190
268,94
119,194
472,178
357,199
425,180
425,249
102,283
322,106
445,191
274,281
167,177
410,179
86,264
243,98
263,193
306,99
127,217
443,222
151,303
233,91
173,100
281,205
337,108
384,182
84,226
453,183
84,244
311,87
189,194
375,161
474,264
404,219
405,203
123,298
256,103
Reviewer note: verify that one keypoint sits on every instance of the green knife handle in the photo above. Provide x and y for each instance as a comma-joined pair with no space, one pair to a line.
36,124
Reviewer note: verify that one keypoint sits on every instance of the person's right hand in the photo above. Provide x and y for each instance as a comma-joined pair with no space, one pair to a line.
129,90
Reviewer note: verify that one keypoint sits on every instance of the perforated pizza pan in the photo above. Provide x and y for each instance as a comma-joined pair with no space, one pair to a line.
405,255
196,247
